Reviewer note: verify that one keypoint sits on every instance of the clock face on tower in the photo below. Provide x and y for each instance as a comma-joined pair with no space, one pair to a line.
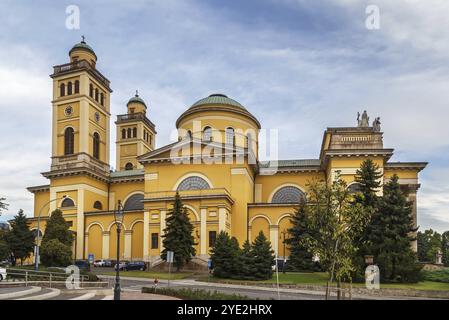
97,116
68,111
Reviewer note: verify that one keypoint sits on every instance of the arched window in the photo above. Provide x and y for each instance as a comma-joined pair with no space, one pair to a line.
91,90
129,132
134,132
189,134
129,166
102,99
230,136
96,94
69,88
288,194
67,203
207,134
77,86
134,202
98,205
249,140
193,183
96,145
123,133
69,141
354,187
62,90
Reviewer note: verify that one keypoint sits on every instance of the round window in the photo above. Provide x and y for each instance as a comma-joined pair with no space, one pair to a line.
68,111
97,116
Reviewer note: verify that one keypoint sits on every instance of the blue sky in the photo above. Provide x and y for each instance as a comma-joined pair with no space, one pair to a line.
298,66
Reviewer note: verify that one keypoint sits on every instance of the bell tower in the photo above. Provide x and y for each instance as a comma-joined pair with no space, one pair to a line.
136,134
81,104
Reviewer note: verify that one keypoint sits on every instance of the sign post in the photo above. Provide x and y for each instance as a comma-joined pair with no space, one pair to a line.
170,256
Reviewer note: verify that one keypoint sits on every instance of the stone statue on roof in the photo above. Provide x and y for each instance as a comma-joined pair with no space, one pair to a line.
364,121
376,124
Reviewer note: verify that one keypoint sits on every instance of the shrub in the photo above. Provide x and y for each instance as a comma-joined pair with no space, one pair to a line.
194,294
55,254
437,275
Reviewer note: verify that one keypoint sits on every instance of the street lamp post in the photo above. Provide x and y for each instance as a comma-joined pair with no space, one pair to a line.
36,257
118,217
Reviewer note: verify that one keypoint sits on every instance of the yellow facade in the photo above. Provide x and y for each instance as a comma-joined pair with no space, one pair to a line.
214,166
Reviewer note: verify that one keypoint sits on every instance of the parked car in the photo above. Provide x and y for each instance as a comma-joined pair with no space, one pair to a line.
109,263
136,265
99,263
132,265
3,274
83,265
122,266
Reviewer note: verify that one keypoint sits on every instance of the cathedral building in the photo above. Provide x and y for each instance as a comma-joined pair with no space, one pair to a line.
214,166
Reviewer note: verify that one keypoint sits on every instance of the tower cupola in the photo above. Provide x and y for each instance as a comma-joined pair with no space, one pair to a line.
82,51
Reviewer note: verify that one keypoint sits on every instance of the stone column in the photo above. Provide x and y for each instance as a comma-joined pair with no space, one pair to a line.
86,243
146,236
105,248
274,236
162,217
203,234
127,243
80,225
221,219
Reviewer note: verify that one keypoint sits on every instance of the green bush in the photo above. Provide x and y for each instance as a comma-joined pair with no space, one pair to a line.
437,275
55,254
194,294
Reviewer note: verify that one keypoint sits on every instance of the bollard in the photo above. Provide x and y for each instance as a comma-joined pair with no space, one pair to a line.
26,278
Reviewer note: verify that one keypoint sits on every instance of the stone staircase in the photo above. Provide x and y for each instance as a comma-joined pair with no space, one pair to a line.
43,293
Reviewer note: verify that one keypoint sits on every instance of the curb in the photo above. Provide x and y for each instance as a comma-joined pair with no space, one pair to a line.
21,293
49,295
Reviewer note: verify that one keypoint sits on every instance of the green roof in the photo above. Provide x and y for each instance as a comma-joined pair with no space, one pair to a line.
83,46
137,99
291,163
217,98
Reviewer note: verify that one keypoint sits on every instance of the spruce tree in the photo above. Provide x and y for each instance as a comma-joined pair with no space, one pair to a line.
224,255
263,257
247,258
56,246
368,178
20,239
300,258
391,228
178,235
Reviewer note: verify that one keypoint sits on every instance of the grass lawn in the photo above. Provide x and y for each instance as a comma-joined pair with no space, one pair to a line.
320,278
150,274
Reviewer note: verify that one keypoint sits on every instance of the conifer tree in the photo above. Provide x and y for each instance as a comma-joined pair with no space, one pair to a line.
58,228
224,255
300,258
178,235
391,229
445,248
247,258
56,247
20,239
368,178
263,257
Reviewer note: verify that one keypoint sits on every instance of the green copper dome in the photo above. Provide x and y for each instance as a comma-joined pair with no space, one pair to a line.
83,46
136,99
217,98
